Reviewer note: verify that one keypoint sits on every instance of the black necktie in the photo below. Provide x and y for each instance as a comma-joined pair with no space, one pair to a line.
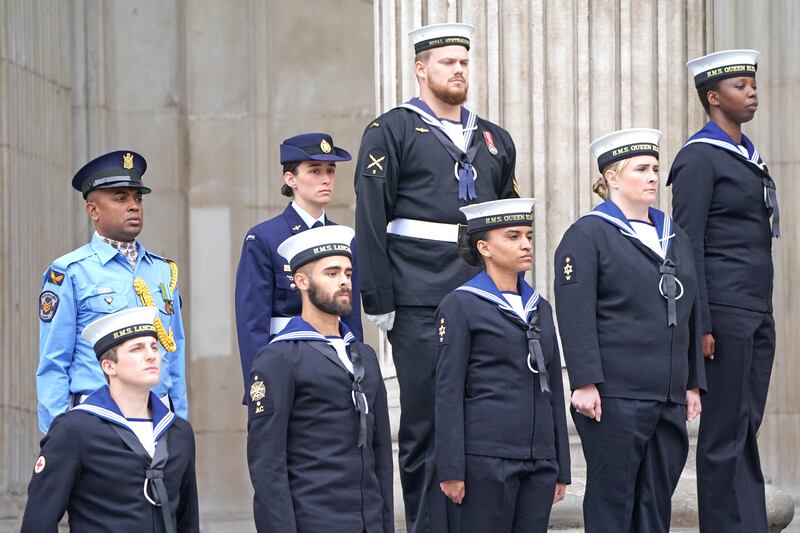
317,224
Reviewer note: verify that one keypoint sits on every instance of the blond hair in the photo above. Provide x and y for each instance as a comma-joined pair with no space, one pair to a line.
600,186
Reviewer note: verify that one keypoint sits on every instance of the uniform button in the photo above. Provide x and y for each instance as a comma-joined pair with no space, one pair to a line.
292,286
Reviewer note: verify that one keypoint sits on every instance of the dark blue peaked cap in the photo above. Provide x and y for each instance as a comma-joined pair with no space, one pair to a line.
312,147
123,168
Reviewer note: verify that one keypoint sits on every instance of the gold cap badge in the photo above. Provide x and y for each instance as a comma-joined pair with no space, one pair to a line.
127,161
325,146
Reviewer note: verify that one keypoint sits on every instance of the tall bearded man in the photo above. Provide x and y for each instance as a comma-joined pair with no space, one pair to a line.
417,165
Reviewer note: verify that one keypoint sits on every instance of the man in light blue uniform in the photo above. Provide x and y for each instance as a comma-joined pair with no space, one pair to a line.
110,273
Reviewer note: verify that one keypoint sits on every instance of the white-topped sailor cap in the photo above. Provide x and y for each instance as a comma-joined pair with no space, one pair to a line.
111,330
724,64
623,144
436,35
316,243
498,214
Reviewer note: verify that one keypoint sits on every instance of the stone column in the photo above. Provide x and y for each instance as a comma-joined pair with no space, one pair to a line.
771,27
36,221
256,73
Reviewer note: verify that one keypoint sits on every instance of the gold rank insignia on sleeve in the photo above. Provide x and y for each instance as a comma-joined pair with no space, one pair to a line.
258,391
516,186
127,161
325,146
442,330
375,165
568,270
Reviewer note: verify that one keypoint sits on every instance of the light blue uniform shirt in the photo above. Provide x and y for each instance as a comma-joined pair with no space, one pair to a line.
84,285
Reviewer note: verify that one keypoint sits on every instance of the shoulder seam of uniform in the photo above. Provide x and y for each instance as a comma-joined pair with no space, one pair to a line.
74,256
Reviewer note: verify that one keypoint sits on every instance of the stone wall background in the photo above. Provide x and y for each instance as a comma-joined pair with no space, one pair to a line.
206,91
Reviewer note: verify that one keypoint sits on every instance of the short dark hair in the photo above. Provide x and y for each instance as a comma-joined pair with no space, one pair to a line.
111,354
468,246
292,167
703,90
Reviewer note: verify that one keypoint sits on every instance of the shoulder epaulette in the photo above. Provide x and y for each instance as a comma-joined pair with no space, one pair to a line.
73,257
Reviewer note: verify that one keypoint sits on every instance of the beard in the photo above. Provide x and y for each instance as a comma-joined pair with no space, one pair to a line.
449,94
331,305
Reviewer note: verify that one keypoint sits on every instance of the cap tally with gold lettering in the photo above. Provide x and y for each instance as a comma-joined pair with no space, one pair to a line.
437,35
724,64
316,243
112,330
499,214
623,144
123,168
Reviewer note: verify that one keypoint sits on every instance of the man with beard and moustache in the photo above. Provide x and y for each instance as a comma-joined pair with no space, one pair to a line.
110,273
417,165
319,446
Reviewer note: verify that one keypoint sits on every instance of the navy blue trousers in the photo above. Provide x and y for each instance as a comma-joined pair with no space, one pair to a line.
730,484
413,339
505,496
634,459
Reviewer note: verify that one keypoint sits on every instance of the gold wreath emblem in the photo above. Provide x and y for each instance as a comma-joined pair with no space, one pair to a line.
325,146
257,391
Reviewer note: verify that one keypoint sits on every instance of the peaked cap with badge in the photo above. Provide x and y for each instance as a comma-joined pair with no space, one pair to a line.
311,147
122,168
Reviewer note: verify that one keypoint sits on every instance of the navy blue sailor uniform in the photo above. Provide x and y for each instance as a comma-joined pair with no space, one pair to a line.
87,470
723,196
630,324
318,441
410,181
496,428
266,296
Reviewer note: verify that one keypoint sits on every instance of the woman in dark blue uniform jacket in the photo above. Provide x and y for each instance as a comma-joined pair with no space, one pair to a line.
723,196
266,296
502,450
628,312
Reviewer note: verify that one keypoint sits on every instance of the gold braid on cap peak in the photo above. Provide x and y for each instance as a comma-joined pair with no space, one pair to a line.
166,339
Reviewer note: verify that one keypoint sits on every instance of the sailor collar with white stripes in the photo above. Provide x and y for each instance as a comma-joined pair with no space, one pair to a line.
102,405
612,214
469,119
299,330
483,286
713,135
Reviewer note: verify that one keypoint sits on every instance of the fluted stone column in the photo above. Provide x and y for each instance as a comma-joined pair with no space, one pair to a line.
35,216
772,28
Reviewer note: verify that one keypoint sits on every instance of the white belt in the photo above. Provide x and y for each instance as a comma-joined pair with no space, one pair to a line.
422,229
277,323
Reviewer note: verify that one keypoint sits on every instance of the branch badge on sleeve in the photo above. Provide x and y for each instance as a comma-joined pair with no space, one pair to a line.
48,305
375,163
568,272
442,332
260,404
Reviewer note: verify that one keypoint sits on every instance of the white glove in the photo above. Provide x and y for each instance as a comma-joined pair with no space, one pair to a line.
383,322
